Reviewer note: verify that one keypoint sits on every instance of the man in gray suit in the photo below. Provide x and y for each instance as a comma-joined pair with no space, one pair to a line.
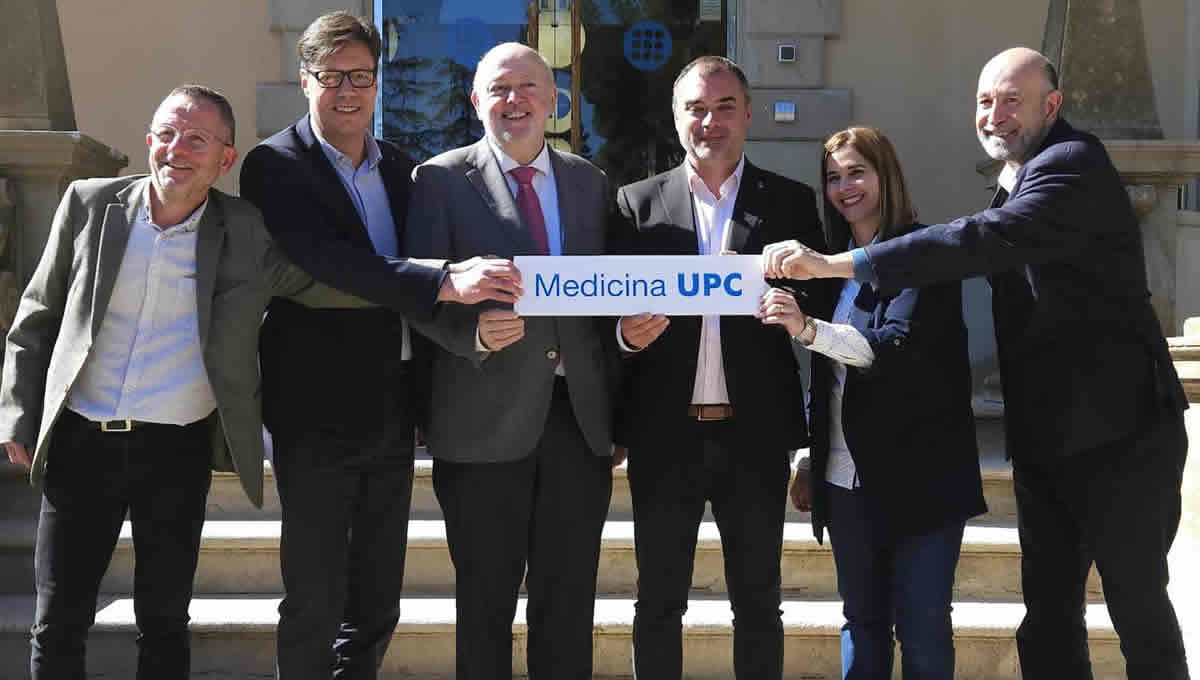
520,429
131,369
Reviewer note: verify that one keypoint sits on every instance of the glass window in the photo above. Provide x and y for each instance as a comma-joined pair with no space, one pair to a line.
614,63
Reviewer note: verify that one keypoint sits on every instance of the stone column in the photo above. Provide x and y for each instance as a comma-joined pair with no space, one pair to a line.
38,166
40,153
1099,48
1153,171
8,283
1184,559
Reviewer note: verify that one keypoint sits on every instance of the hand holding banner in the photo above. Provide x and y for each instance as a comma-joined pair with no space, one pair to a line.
619,285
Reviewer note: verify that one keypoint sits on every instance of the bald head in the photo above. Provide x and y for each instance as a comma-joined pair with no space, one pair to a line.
1016,103
505,51
1021,60
513,95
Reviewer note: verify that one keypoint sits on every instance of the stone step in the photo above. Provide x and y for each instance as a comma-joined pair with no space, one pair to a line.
233,637
227,501
243,557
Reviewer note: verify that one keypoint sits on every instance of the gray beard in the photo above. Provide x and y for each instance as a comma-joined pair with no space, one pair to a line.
1018,151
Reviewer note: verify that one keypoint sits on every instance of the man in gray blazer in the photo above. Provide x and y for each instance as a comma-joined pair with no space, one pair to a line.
521,428
131,370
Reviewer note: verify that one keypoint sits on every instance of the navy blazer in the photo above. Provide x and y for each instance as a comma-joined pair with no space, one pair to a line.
655,218
326,368
907,418
1082,356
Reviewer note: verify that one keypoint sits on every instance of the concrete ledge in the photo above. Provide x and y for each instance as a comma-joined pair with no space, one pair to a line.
236,635
243,557
277,105
818,113
811,17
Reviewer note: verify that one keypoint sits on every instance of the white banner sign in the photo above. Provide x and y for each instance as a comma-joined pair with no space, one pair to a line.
618,285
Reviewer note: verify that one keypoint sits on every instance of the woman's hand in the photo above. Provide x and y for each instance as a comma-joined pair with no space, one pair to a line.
779,307
801,491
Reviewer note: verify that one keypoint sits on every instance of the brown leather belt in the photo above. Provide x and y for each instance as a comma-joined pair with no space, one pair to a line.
706,412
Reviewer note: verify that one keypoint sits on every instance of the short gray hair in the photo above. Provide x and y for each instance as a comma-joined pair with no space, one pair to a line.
214,97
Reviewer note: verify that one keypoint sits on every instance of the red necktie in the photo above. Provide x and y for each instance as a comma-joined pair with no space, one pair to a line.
530,208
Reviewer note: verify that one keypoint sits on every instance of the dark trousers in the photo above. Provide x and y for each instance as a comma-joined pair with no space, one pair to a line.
543,513
747,489
1117,506
345,498
887,581
158,473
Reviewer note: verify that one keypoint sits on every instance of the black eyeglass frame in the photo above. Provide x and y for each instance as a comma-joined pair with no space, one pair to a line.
341,77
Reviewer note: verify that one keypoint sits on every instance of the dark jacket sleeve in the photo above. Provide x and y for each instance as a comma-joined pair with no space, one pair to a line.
1045,220
280,184
430,233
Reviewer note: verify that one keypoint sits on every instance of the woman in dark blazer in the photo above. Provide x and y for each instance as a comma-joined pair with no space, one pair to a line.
894,466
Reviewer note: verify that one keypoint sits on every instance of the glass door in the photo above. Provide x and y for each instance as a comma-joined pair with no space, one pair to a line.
614,64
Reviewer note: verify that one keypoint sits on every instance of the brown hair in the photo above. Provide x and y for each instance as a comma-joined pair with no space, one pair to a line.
331,32
896,212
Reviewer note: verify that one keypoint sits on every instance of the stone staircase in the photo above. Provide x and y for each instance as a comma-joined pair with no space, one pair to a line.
237,590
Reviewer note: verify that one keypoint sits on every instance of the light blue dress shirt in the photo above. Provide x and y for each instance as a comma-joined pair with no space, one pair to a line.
364,184
146,362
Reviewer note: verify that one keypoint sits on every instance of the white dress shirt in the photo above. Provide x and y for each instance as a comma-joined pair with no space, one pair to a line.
146,362
712,215
367,192
543,186
712,229
547,193
847,347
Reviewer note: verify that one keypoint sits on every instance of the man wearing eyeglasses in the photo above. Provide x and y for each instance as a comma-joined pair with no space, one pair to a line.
341,394
130,369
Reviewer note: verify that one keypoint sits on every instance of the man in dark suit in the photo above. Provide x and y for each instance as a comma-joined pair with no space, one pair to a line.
520,429
1093,407
130,369
711,406
339,392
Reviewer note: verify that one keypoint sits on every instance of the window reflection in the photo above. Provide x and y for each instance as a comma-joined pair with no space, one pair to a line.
628,54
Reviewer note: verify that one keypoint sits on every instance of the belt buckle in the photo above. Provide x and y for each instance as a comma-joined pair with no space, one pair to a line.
116,425
702,411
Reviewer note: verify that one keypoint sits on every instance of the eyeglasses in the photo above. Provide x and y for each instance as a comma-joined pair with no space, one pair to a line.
192,140
360,78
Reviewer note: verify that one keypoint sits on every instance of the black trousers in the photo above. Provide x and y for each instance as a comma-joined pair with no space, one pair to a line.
747,489
1117,506
158,473
345,496
543,513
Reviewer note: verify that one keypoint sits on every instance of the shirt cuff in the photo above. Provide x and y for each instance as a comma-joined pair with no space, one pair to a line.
479,346
864,271
823,338
621,341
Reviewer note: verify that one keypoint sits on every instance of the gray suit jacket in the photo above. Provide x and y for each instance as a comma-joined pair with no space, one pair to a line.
490,407
238,271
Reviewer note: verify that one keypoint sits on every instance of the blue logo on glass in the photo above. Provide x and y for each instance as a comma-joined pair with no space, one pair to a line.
647,45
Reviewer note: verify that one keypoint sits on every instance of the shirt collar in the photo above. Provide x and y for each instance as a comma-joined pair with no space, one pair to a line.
541,162
335,156
730,184
190,223
1007,178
